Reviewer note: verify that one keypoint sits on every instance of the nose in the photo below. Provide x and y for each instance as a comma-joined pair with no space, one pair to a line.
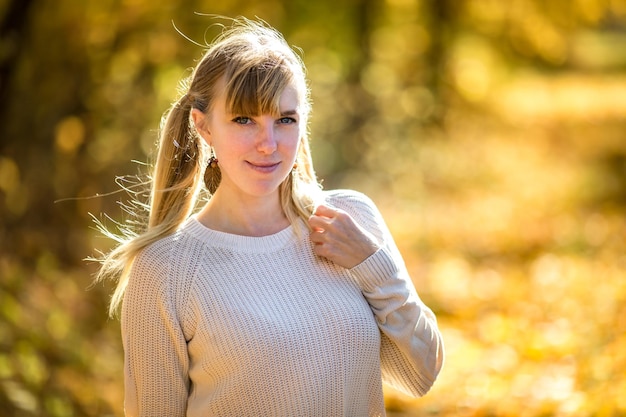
266,138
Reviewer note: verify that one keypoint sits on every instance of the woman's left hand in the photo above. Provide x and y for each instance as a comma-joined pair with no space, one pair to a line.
339,238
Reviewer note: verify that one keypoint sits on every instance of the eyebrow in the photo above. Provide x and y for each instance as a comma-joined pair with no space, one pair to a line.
289,113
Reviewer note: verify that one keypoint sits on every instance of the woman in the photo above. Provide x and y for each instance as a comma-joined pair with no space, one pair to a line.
275,298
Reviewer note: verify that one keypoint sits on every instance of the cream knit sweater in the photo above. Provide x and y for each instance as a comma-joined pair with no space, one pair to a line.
215,324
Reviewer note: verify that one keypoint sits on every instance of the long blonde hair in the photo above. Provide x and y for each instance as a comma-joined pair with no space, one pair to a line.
257,64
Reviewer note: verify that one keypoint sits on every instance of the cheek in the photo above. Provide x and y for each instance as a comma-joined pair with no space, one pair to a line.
291,141
228,145
229,155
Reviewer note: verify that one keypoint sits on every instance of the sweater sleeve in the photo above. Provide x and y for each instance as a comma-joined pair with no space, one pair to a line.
155,355
411,344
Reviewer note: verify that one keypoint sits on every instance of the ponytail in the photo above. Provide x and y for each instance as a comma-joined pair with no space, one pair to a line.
175,181
173,196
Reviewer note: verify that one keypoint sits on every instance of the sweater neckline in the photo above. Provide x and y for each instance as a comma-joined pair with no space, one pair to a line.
240,243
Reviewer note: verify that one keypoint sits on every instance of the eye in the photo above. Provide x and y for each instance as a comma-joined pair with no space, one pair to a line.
242,120
287,120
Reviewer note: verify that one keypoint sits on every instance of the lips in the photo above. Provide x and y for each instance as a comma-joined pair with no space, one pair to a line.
265,167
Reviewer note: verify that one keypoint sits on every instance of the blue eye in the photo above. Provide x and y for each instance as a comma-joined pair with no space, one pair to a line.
242,120
287,120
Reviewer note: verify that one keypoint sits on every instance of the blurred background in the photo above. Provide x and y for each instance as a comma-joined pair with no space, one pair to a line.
492,135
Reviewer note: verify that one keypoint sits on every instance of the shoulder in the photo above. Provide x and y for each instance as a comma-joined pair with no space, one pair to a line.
161,277
171,249
362,209
167,261
347,197
353,202
159,254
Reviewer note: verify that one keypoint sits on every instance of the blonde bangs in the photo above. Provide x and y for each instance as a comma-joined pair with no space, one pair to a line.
257,90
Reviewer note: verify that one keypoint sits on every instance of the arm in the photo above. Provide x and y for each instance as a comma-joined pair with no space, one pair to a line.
411,345
356,237
155,351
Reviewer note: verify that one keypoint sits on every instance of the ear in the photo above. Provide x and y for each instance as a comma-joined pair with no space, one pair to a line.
200,122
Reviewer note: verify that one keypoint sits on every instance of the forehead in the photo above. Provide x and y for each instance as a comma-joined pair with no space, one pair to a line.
289,99
256,100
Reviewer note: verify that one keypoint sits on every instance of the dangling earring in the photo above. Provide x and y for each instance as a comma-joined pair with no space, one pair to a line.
212,174
295,173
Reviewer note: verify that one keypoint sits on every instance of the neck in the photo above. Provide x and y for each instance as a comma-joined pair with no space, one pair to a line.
252,216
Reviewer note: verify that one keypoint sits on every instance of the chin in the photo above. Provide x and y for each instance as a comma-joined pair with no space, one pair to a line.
265,190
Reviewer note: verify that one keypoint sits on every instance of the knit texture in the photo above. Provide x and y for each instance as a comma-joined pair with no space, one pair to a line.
215,324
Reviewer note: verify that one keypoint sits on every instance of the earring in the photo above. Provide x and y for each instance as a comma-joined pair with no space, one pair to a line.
212,174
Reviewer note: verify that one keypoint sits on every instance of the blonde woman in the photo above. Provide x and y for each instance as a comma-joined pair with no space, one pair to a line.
274,298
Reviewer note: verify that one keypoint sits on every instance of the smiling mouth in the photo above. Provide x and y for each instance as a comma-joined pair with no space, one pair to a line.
263,166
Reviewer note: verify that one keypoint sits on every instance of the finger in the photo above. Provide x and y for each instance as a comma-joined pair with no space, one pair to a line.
325,211
323,217
317,223
323,249
317,236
